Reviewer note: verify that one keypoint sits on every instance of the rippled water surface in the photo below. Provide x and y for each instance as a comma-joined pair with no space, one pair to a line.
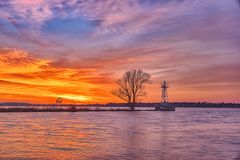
187,134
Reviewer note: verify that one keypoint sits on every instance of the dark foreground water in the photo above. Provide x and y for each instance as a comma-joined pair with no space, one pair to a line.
187,134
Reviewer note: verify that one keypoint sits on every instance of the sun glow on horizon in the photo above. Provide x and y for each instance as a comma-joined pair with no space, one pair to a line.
76,98
22,75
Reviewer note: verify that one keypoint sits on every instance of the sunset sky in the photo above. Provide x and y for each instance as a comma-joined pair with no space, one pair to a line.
76,49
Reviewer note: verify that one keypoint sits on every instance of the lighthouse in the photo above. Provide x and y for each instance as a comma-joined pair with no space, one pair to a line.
164,87
164,105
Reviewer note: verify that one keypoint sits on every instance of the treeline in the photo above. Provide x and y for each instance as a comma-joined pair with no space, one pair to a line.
176,104
50,104
185,104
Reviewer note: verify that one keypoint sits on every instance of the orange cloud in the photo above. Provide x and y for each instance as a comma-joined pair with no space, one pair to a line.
24,76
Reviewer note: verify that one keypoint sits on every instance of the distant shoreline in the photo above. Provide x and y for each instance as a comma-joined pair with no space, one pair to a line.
23,107
70,109
114,105
21,110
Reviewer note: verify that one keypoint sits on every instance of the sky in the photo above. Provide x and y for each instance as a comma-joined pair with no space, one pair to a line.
76,49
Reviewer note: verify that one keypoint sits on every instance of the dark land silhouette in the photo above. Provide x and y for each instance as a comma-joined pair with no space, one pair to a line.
28,107
143,104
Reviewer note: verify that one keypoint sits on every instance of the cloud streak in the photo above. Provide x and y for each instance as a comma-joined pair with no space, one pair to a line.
86,44
22,74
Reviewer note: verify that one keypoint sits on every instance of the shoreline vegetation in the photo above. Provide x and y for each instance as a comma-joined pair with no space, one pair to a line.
70,109
152,104
27,107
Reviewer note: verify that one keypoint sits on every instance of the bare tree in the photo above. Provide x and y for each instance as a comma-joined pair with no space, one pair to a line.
131,86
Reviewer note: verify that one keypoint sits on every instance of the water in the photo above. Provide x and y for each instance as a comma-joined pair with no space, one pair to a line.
199,134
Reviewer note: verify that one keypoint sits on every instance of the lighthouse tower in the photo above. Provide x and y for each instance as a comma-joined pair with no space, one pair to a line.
164,106
164,87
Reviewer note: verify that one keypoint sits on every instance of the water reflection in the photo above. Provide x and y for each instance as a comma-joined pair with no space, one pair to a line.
185,134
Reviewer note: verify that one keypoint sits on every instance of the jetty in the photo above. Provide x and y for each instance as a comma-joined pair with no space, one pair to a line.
71,108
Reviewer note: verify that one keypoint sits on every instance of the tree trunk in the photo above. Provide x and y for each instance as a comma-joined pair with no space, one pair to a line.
133,103
133,106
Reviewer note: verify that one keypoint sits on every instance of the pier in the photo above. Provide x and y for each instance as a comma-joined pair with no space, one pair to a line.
70,108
